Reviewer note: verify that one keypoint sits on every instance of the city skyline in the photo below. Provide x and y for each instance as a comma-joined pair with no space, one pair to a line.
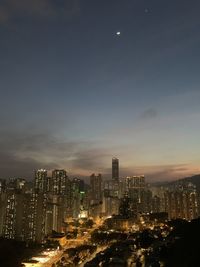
114,169
82,83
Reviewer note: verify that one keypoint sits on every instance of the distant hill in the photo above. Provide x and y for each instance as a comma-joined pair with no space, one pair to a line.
195,179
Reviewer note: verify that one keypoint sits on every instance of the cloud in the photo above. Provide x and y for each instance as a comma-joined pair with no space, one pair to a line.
12,9
4,15
13,166
71,8
165,172
149,113
21,153
92,159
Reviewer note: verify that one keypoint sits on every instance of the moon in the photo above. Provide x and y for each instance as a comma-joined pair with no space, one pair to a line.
118,33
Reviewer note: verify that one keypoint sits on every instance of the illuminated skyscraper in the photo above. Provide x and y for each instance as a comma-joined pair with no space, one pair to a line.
77,186
95,194
181,201
111,190
2,185
95,188
40,180
111,197
115,169
59,182
139,194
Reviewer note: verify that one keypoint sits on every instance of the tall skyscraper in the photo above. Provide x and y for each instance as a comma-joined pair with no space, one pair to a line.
40,180
95,194
115,169
139,194
111,197
111,190
77,186
95,188
59,182
2,185
181,201
3,203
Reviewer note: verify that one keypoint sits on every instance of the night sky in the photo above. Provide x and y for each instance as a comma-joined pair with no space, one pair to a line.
74,94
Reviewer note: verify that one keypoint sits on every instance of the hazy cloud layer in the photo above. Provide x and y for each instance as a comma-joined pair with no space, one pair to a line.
92,160
22,153
12,9
149,113
166,172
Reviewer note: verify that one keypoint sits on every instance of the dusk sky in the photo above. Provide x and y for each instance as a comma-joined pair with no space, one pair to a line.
74,94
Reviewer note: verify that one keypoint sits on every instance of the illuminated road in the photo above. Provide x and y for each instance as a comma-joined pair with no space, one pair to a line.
69,244
53,259
93,255
57,255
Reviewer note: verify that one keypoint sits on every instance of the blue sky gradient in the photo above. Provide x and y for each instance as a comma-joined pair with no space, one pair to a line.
74,94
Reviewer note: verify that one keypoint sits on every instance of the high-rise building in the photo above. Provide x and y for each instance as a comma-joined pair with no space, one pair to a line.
2,186
136,182
58,201
115,169
40,181
95,188
3,203
29,214
111,197
181,202
138,193
95,195
39,202
59,182
10,217
49,184
125,209
54,213
13,206
77,186
16,216
155,204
